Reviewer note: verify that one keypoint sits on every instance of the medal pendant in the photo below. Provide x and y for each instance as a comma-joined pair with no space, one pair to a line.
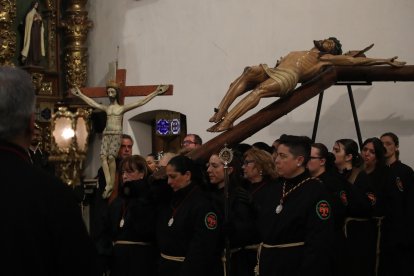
279,208
170,222
121,223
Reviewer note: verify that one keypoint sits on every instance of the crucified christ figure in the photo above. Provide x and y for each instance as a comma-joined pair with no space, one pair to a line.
296,67
111,140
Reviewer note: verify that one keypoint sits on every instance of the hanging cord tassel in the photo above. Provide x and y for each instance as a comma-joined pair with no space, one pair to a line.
257,267
378,251
224,262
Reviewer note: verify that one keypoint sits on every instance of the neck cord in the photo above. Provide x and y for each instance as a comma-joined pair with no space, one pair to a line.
279,207
175,209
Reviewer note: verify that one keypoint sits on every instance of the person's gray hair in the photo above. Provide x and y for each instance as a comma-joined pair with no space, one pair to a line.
17,102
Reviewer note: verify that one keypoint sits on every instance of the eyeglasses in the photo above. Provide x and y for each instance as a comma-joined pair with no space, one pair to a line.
247,162
187,142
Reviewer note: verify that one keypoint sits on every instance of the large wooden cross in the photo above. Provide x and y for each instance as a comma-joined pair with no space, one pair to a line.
126,91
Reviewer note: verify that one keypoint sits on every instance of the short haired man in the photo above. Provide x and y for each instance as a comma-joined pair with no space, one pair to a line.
43,232
125,150
35,153
38,157
191,141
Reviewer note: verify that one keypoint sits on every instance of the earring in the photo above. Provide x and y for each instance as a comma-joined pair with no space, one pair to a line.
261,173
298,165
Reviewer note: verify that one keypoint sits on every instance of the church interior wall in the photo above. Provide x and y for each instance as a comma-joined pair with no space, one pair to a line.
202,46
137,130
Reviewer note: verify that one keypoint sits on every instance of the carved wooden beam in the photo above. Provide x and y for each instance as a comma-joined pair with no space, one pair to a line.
266,116
375,73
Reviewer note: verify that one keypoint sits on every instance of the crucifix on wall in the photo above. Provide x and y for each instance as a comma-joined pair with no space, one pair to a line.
111,140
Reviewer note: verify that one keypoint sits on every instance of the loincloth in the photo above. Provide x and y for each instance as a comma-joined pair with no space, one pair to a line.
286,79
111,144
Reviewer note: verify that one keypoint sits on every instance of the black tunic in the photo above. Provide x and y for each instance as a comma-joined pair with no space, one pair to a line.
244,260
131,219
98,207
389,205
403,256
305,217
339,192
42,230
404,181
40,160
239,230
360,229
194,234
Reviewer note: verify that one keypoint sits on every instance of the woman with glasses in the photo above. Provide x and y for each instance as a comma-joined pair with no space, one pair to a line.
239,224
322,165
130,223
188,227
258,170
295,220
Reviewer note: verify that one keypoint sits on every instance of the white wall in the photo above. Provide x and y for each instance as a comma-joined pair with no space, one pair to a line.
202,46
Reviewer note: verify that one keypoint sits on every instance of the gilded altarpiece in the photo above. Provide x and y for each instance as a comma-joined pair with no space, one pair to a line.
64,64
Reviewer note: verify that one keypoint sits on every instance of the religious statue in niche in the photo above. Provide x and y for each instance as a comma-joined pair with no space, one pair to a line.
33,42
296,67
111,140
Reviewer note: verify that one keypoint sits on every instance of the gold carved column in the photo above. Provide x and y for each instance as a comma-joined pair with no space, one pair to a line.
7,35
50,15
75,25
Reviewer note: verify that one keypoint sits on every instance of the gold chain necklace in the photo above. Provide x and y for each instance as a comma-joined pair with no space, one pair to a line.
279,207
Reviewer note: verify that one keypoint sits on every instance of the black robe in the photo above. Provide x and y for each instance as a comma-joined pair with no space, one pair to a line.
305,217
131,218
194,234
42,231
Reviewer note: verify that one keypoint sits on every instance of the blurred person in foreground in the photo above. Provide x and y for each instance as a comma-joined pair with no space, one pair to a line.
43,232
